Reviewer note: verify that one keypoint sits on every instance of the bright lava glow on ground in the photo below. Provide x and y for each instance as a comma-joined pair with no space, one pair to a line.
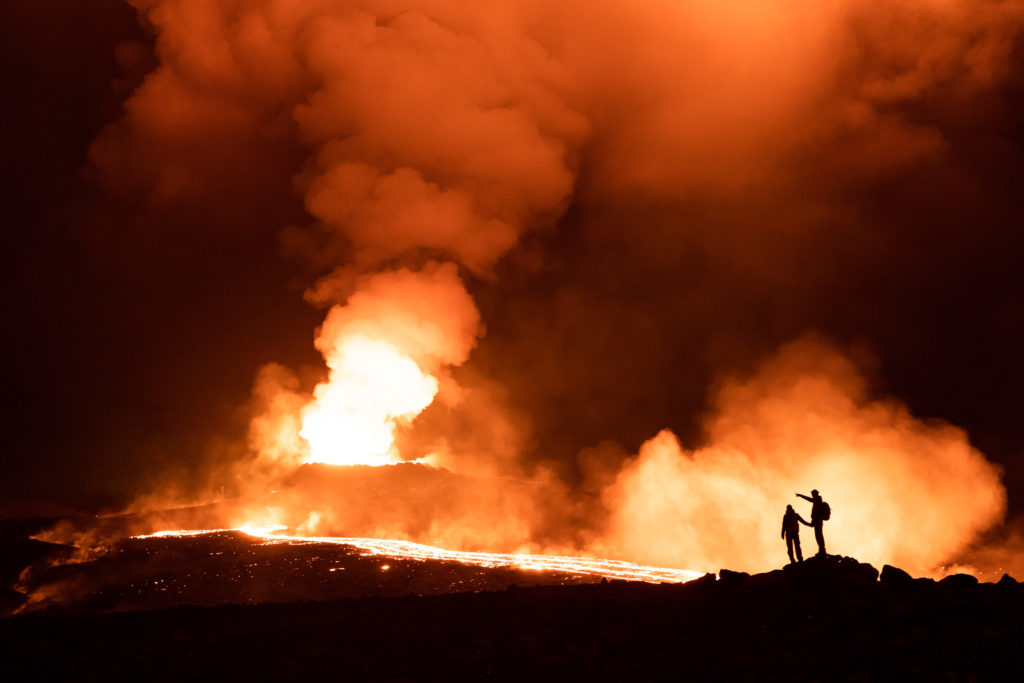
612,569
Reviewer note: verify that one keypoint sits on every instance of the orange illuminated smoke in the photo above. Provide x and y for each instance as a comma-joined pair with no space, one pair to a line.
372,386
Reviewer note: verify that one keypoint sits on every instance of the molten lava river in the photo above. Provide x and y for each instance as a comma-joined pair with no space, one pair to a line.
253,565
406,550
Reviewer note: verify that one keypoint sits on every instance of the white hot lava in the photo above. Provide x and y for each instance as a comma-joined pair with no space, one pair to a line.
372,386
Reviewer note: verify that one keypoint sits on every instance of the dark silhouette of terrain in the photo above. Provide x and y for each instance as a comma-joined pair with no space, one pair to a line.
18,551
232,567
825,618
829,614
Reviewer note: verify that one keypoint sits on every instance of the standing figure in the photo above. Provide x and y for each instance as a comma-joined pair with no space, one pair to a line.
820,512
791,532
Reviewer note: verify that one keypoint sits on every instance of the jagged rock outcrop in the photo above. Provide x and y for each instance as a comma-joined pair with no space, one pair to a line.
895,576
823,620
730,578
959,581
818,570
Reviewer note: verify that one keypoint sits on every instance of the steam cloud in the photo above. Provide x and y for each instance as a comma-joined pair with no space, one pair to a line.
909,492
428,140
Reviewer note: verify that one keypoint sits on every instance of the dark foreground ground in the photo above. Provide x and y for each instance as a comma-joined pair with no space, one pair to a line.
825,620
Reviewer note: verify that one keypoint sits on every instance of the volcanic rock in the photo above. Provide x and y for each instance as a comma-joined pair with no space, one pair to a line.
730,578
831,569
959,581
776,577
18,553
782,630
708,579
17,557
826,618
895,576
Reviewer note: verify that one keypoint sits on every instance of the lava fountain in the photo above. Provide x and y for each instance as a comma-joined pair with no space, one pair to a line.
352,418
386,350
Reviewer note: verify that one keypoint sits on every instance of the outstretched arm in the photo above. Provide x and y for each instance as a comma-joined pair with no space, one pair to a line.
807,498
804,520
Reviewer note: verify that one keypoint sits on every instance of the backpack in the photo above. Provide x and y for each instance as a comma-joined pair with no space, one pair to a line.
826,511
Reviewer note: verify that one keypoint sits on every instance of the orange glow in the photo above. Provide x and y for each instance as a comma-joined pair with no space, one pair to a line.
371,387
439,130
903,491
386,350
377,547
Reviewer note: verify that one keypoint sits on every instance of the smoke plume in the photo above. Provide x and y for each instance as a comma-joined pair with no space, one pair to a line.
634,202
902,490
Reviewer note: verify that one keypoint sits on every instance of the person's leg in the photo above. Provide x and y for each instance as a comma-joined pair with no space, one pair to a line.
799,555
789,548
819,536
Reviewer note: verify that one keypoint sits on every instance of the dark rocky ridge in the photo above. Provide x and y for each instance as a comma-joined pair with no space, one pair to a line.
824,619
812,623
231,567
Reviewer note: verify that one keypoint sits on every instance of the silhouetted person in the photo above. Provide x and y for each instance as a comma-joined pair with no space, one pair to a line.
791,532
819,513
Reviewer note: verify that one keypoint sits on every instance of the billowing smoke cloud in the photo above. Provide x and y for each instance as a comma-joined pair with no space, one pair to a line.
424,126
902,490
428,131
642,197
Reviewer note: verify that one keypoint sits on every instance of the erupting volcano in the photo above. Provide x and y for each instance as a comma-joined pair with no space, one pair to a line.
358,299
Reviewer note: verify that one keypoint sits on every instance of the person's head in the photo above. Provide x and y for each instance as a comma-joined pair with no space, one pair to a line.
814,493
789,508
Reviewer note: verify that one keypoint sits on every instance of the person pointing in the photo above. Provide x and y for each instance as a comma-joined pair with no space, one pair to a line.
820,512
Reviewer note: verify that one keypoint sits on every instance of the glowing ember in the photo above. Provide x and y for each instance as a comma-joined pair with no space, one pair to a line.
612,569
191,532
372,386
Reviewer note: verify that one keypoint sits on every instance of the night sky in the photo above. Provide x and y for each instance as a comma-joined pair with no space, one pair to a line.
138,316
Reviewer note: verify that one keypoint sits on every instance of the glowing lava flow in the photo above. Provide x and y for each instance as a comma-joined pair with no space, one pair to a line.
612,569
